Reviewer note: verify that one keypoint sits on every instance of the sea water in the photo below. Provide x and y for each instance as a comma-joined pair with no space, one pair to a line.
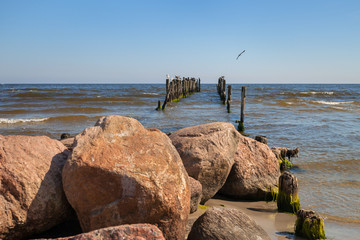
322,120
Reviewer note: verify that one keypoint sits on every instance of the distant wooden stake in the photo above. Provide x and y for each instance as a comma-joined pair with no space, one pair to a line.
241,126
167,85
229,98
159,106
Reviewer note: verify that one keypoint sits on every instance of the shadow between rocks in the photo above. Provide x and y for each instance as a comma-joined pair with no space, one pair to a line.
51,198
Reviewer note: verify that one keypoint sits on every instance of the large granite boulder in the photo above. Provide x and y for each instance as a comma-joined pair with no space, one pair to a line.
226,224
255,171
31,194
196,194
121,173
207,152
128,232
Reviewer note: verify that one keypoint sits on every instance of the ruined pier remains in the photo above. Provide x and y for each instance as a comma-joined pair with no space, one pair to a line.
221,88
179,88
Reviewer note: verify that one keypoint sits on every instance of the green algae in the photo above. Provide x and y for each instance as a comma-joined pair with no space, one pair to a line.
288,203
204,207
272,194
284,164
241,127
311,228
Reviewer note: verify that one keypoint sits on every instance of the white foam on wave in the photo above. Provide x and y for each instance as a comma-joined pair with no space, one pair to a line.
155,94
320,93
333,103
21,120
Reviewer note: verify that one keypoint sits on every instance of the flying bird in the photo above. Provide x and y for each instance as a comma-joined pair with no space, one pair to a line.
240,54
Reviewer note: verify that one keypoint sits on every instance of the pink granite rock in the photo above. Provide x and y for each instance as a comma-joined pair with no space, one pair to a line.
121,173
31,194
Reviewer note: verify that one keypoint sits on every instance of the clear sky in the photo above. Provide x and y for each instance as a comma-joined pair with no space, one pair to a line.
86,41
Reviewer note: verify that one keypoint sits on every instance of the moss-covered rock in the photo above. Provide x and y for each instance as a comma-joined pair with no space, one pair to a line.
310,225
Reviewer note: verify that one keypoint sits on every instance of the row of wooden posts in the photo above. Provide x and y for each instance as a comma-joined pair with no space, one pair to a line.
179,88
221,88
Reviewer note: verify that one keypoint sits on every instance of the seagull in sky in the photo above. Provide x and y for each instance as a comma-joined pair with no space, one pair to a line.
240,54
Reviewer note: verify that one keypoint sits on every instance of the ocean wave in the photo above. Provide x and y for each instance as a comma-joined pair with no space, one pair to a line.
152,94
73,118
332,102
317,93
15,111
21,120
84,110
310,93
47,94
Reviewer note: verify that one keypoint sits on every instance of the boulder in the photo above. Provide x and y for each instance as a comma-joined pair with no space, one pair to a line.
226,224
121,173
32,199
255,171
207,152
196,193
128,232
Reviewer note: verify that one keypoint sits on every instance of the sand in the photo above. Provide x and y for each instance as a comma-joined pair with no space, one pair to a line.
277,225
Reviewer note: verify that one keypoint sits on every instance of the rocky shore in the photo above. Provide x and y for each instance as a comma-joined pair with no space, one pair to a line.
119,180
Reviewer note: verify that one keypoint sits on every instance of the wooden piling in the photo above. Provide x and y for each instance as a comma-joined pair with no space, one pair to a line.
159,106
309,225
241,126
288,198
229,98
221,88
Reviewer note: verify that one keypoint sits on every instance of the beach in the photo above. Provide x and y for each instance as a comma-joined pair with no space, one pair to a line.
322,120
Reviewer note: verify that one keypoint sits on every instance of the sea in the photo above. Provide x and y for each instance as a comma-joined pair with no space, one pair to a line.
323,121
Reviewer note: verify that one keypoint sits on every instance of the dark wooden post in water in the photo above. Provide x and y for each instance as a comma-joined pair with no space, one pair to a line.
159,106
221,88
241,126
229,98
309,225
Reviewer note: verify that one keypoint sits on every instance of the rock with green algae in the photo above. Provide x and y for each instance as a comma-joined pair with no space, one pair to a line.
272,194
288,198
310,225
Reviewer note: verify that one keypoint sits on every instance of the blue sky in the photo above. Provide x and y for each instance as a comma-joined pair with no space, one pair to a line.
85,41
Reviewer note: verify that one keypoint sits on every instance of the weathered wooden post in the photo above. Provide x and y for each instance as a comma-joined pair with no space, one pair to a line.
241,126
310,225
167,85
159,106
224,91
288,198
229,98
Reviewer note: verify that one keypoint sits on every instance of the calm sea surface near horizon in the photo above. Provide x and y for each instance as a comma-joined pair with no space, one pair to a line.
322,120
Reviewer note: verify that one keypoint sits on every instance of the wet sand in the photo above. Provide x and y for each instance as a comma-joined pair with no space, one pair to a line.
277,225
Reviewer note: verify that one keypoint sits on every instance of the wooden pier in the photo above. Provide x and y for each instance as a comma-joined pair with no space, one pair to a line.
179,88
